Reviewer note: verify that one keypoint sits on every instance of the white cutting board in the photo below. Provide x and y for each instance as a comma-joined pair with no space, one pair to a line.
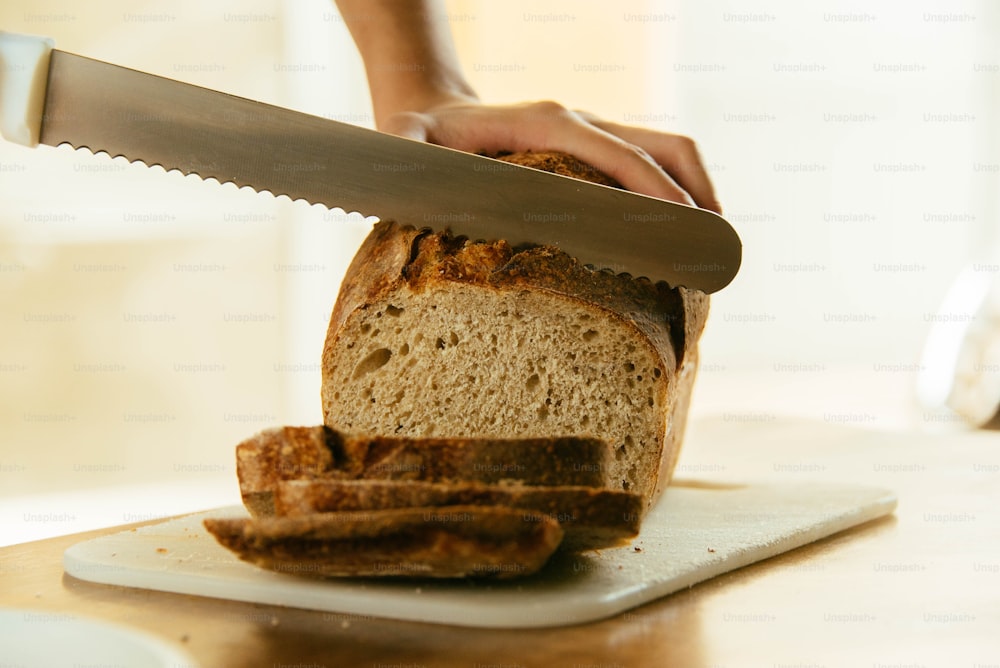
696,532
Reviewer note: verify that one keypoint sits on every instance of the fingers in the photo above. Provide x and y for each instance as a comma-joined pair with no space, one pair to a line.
540,126
677,154
627,163
645,161
407,124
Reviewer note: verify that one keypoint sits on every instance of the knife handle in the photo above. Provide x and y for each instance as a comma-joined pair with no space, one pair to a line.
24,76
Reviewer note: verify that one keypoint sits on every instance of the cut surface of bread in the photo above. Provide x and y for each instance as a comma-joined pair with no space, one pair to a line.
487,363
441,542
591,518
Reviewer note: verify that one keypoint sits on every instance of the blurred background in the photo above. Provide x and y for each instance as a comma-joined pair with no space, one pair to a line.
149,322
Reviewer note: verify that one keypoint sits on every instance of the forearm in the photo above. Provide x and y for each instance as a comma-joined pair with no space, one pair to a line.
408,52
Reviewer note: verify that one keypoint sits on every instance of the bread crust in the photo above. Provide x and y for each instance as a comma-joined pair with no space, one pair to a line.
283,453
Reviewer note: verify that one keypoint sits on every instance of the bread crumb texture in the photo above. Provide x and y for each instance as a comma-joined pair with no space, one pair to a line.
496,363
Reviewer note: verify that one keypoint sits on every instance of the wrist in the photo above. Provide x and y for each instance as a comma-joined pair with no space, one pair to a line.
409,55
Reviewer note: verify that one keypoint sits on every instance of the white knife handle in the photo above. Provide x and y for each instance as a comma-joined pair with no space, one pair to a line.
24,75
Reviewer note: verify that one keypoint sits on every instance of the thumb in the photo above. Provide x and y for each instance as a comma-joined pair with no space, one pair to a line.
406,124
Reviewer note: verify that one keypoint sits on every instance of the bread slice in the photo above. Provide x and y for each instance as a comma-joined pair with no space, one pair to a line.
283,453
314,453
591,518
443,542
437,336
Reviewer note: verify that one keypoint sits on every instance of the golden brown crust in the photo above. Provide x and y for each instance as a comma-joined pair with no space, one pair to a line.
376,268
560,163
443,542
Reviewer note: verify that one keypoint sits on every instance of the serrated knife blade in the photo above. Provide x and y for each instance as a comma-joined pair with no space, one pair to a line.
159,121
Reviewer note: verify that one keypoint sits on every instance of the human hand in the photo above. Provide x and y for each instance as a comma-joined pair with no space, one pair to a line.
418,91
645,161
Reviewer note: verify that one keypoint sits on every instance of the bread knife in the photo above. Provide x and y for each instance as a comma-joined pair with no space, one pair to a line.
52,97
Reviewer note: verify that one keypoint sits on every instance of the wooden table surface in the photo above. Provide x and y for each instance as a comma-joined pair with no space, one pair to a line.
919,588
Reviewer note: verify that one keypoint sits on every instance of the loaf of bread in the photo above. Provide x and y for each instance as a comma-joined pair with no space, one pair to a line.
539,401
437,336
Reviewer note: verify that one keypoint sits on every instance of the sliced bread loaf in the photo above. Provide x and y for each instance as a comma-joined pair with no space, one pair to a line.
470,393
436,336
